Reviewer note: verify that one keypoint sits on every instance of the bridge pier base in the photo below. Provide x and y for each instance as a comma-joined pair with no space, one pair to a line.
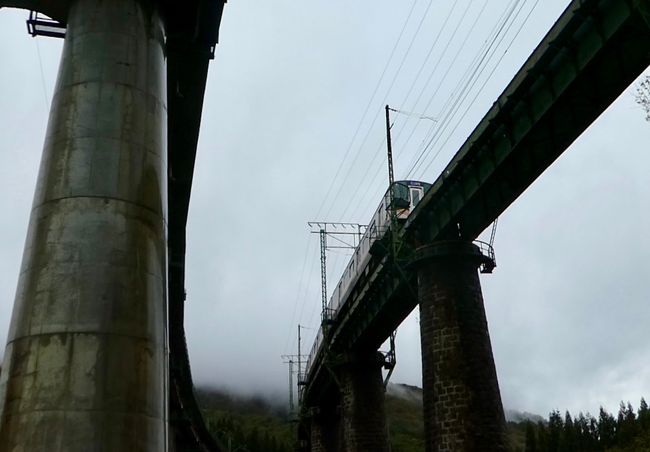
462,403
363,412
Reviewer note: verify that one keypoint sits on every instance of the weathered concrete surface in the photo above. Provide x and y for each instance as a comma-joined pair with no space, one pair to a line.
85,365
462,403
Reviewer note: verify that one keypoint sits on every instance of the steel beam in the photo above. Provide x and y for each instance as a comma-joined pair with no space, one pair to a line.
593,52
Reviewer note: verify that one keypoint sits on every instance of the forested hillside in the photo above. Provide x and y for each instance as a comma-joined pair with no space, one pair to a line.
252,424
629,431
255,425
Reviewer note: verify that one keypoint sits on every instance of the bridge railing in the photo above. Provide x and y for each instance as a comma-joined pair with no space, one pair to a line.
487,250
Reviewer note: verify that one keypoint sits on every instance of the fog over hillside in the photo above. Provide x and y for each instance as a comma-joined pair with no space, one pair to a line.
285,140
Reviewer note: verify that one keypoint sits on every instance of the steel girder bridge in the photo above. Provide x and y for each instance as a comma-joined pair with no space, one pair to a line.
594,51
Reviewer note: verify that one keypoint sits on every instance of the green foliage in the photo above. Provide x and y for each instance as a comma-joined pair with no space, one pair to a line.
531,438
246,424
254,425
249,433
628,432
404,418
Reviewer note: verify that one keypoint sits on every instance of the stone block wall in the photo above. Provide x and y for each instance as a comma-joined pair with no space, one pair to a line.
462,403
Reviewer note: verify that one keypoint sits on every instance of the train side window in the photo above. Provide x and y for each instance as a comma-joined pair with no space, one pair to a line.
416,195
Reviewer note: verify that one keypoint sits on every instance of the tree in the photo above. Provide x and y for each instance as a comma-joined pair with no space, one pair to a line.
625,425
642,96
606,428
644,415
542,437
568,439
531,438
555,427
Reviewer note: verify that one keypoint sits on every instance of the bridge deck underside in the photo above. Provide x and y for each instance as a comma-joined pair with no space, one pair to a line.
593,52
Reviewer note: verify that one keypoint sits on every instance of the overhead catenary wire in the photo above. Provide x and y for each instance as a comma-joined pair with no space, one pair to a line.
40,65
476,62
485,81
378,164
449,68
464,88
430,52
463,15
383,102
305,292
486,53
368,105
297,300
457,105
371,165
377,154
458,97
481,58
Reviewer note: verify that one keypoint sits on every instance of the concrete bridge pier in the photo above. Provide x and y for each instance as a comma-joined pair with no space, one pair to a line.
363,412
85,367
462,403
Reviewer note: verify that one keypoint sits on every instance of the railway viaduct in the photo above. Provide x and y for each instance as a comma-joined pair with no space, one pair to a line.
592,53
96,356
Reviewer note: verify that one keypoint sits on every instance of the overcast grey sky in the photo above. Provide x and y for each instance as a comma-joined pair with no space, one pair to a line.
285,140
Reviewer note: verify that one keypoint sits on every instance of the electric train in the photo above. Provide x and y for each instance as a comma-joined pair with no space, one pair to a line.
406,195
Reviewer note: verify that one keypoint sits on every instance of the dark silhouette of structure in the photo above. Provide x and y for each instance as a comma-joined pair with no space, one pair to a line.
96,358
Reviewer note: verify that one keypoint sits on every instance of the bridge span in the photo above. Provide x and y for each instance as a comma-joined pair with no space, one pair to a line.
592,53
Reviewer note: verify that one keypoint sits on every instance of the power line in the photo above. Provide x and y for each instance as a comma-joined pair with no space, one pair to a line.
40,65
295,305
365,112
363,179
486,53
303,300
390,87
460,100
488,77
469,74
496,32
377,153
450,66
429,53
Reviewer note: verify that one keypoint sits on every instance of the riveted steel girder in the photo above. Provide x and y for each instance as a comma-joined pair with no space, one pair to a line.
593,52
